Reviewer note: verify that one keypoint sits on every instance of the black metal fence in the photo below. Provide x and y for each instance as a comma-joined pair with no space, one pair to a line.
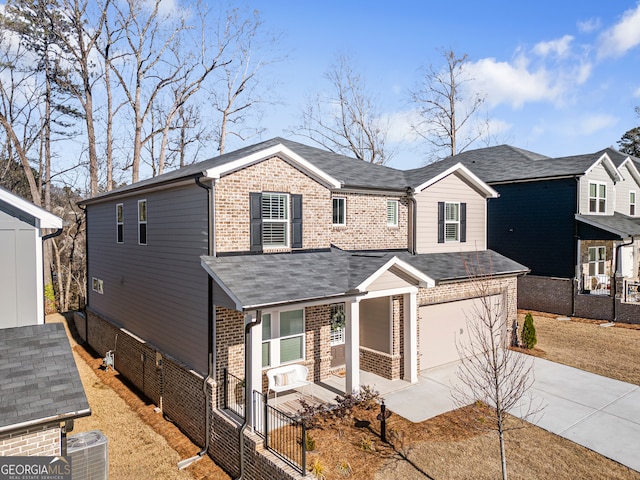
283,434
233,398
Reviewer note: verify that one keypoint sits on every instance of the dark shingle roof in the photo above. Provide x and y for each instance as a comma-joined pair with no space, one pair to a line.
618,224
261,280
40,381
351,172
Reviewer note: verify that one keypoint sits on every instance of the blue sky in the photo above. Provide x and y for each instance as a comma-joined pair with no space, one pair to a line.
560,78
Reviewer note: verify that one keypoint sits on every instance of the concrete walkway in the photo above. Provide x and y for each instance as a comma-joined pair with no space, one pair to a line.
597,412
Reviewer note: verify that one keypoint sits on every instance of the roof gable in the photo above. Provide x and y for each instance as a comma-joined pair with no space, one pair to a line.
41,218
462,171
278,150
608,165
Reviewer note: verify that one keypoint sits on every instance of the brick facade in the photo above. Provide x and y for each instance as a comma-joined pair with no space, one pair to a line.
273,175
366,223
41,440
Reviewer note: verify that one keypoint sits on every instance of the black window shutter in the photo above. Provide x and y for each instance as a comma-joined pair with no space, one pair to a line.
296,221
463,222
440,222
255,227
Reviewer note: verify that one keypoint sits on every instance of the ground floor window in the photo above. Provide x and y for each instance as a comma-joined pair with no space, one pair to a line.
597,260
282,337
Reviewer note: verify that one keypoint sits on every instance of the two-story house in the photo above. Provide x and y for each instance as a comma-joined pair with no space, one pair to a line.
279,254
573,221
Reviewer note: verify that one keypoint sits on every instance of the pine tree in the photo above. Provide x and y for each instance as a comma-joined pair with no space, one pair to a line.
529,339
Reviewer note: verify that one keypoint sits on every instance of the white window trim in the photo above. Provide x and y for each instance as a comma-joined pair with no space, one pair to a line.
451,222
143,222
120,222
274,341
395,221
633,204
597,198
97,285
286,222
342,200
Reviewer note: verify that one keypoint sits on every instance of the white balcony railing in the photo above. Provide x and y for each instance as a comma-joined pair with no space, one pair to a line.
596,284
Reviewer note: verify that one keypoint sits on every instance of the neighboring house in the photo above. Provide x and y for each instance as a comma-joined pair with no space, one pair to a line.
574,221
41,392
21,267
314,257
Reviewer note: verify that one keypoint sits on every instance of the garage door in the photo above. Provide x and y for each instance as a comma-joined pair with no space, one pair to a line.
442,326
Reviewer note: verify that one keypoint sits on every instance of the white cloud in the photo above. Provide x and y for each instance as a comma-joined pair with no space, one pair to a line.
590,25
513,83
636,93
400,126
590,124
623,36
560,47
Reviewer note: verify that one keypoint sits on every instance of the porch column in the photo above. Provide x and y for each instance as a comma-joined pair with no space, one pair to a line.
352,345
253,381
411,337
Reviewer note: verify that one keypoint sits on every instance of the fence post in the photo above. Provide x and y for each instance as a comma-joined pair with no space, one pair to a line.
265,420
225,398
303,444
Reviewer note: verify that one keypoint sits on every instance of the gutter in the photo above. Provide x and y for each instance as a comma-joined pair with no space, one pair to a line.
211,332
52,235
40,421
248,385
413,221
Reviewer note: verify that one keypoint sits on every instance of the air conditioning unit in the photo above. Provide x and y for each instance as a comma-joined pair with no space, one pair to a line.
89,455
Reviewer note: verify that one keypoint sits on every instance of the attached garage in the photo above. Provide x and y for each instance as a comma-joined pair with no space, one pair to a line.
442,327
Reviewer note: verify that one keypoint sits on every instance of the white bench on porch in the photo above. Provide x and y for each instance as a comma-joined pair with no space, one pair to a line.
288,377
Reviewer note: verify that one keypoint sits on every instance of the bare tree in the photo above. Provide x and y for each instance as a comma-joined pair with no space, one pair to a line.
238,94
448,120
490,372
346,120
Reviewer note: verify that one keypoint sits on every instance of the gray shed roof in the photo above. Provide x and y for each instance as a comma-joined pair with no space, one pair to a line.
40,381
618,224
267,280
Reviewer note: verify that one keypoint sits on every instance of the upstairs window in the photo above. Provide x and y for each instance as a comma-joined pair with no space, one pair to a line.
597,260
452,222
597,197
275,221
142,222
339,211
120,223
392,213
632,203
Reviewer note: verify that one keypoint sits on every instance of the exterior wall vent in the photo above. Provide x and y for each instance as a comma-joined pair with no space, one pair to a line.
89,455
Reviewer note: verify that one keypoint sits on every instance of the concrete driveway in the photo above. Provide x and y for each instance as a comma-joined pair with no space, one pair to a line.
597,412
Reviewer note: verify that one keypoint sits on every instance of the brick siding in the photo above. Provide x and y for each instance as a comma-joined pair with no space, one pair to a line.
545,294
42,441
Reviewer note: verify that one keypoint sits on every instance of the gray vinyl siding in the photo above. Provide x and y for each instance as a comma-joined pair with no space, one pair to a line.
598,175
623,188
18,271
157,291
450,189
387,281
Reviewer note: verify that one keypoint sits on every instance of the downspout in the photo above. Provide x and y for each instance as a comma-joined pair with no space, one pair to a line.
412,220
211,331
615,275
248,385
